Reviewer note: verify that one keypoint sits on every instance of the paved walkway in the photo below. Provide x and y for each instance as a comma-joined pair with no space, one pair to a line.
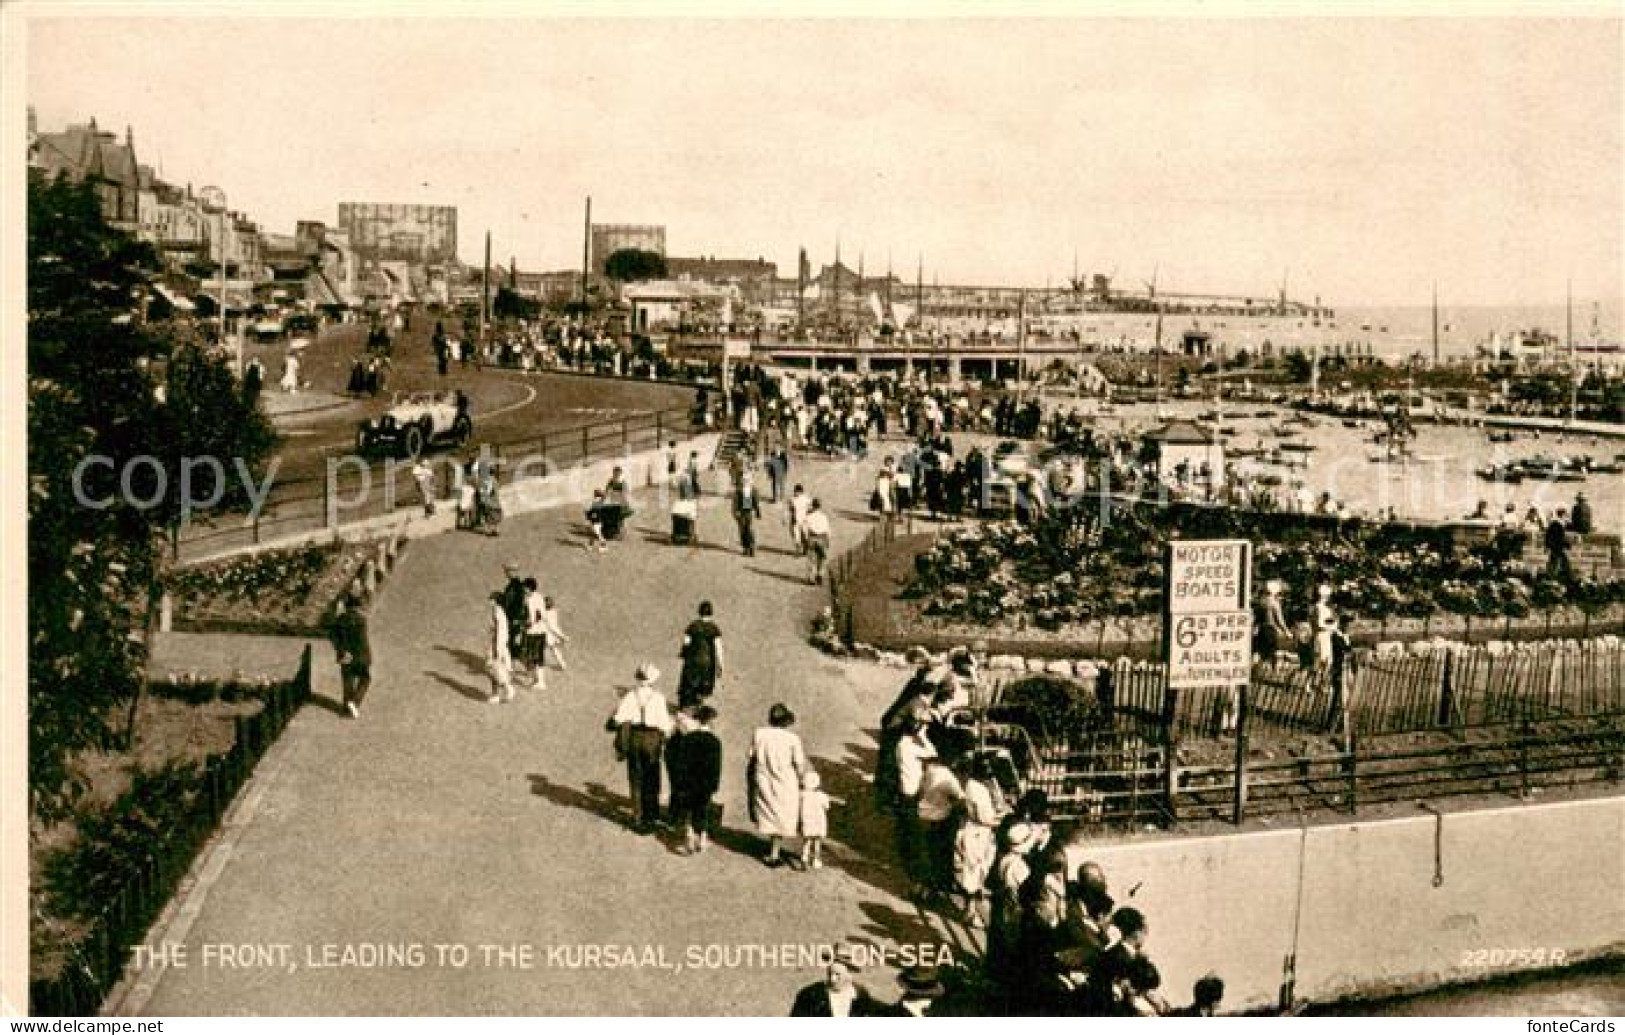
439,819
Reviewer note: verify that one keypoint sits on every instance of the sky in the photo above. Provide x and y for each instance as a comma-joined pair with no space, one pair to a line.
1359,160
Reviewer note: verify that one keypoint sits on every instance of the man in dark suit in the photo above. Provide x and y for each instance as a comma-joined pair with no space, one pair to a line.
694,766
513,605
838,995
747,507
349,634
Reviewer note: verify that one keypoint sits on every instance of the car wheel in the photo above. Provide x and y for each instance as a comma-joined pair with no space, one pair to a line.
414,441
461,429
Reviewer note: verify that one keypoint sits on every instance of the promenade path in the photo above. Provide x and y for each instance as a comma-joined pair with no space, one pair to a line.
440,819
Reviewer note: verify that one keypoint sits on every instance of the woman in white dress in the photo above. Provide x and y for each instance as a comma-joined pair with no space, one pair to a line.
976,846
1325,623
774,773
290,374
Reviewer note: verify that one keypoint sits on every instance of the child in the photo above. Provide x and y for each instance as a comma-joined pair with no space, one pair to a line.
814,822
533,647
423,474
553,634
595,521
465,499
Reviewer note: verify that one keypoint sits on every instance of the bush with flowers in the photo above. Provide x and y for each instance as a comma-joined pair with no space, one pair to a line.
1072,567
279,591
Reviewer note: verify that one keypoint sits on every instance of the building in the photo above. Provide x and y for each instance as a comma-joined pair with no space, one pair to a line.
401,252
608,238
89,154
553,288
420,234
668,305
755,278
1185,452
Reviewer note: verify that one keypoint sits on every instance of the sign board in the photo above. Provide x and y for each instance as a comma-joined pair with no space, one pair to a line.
1207,612
736,348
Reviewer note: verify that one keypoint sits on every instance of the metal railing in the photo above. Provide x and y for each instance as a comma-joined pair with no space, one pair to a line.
305,505
843,571
97,962
1546,717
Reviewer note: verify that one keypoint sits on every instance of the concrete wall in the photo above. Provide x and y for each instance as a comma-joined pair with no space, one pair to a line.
1544,878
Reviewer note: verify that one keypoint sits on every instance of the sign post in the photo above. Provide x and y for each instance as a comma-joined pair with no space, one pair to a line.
1207,624
1207,614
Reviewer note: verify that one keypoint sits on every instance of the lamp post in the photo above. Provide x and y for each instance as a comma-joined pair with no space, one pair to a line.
214,199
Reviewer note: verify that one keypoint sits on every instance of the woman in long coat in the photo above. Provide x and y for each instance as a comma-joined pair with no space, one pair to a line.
777,762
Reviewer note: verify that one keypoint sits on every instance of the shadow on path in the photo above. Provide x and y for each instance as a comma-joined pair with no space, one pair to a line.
595,799
664,539
797,580
329,704
866,834
473,693
886,924
473,664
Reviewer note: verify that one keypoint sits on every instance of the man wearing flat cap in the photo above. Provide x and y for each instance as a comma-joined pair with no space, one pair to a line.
641,723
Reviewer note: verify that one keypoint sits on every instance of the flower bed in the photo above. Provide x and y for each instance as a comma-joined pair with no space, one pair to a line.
280,592
1070,570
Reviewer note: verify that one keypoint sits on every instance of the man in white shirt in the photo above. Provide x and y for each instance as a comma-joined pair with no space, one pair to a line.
912,752
641,723
941,797
796,511
816,530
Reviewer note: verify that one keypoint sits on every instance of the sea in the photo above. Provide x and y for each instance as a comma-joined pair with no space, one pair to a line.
1397,332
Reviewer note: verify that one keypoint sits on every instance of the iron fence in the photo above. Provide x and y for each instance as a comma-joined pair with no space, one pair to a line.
97,961
351,494
1490,722
842,575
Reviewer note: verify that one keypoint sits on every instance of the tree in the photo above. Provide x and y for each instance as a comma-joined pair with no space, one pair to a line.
99,442
630,264
511,305
1298,367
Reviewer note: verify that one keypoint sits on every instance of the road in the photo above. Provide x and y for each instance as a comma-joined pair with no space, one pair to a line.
506,404
523,415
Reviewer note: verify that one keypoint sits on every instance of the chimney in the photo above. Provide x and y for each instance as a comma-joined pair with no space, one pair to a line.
129,137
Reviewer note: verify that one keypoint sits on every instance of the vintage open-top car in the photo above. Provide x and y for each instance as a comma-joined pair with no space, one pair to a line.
415,422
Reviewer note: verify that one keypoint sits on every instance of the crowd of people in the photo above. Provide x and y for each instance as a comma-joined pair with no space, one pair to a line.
974,845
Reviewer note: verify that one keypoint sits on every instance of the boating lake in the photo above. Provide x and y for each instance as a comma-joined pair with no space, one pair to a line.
1437,483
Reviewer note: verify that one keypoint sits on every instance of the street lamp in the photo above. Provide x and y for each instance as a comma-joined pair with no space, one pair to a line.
214,200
